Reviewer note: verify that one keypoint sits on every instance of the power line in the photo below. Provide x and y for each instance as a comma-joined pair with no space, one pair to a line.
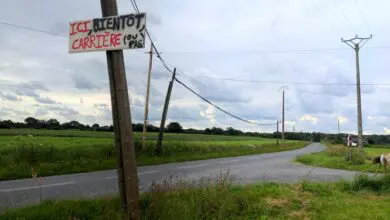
267,51
363,17
134,3
291,83
197,53
226,112
32,29
330,24
135,6
345,17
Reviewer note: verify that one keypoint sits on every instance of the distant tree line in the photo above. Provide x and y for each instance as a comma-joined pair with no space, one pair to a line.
175,127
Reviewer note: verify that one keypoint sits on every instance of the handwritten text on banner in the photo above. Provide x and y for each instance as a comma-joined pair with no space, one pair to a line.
108,33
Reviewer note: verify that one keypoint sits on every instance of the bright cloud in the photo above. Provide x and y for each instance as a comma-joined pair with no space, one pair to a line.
209,114
342,119
310,118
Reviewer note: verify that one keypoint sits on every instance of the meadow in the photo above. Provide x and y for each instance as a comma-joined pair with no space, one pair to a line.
63,152
362,198
335,156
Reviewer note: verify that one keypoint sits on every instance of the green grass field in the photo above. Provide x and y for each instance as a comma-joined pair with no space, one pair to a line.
64,154
335,157
363,198
99,134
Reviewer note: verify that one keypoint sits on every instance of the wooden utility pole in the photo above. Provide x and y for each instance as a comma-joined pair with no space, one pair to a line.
354,43
147,96
127,170
164,115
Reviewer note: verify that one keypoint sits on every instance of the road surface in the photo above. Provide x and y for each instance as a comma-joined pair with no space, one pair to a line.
277,167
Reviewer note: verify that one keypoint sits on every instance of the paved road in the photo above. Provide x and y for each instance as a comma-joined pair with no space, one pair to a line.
277,167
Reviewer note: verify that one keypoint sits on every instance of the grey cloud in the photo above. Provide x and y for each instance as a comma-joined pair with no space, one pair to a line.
34,85
138,102
45,100
105,111
81,82
8,96
62,110
41,112
30,89
184,114
69,112
316,104
255,112
218,92
101,106
11,111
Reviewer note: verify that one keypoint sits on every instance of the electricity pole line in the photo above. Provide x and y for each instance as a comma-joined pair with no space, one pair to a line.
354,43
147,96
277,132
338,125
283,88
128,186
158,150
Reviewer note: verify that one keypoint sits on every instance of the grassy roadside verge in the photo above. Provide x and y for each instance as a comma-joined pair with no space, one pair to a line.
55,156
335,157
363,198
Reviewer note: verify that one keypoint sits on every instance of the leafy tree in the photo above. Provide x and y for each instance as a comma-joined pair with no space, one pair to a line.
152,128
138,127
31,122
95,126
6,124
174,127
53,124
217,131
207,131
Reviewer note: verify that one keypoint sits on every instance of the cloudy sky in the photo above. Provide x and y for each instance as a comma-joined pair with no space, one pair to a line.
269,42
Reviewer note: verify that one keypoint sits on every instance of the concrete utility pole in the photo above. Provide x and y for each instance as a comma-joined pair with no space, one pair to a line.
277,132
147,96
164,115
283,88
126,167
354,43
338,125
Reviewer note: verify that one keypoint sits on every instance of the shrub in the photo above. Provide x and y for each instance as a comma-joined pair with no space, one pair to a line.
357,157
364,182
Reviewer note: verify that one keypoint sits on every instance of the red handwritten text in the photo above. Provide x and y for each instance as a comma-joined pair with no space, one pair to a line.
97,41
79,27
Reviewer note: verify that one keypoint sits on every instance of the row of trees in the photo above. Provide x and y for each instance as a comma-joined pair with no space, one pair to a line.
175,127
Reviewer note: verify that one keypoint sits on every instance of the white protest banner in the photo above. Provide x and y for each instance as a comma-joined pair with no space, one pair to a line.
108,33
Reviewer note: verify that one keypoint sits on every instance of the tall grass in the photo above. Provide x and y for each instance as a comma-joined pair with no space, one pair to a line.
351,155
362,182
25,152
362,198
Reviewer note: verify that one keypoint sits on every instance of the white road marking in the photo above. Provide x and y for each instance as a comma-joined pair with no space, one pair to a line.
147,172
36,187
229,161
115,177
111,177
199,165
